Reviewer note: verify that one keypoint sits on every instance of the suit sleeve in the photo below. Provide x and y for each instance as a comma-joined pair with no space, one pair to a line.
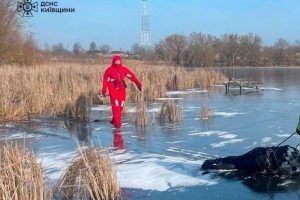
129,74
105,81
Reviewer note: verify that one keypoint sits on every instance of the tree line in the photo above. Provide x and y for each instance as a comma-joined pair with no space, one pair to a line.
231,49
201,50
77,49
193,50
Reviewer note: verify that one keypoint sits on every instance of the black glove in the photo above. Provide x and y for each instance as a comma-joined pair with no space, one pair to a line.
140,88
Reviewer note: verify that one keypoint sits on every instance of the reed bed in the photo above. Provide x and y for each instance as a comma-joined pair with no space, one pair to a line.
91,175
55,89
170,113
21,176
206,112
140,118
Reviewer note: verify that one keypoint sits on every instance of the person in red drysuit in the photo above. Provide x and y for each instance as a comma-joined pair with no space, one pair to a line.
113,84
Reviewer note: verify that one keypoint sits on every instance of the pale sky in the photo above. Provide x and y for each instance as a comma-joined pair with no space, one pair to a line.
118,22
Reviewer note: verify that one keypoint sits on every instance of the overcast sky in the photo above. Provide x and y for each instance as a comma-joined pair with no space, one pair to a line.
118,22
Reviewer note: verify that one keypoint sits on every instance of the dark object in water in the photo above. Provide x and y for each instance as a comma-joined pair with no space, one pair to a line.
102,120
261,159
268,183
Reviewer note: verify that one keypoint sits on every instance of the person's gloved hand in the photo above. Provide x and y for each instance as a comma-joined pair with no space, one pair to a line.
140,88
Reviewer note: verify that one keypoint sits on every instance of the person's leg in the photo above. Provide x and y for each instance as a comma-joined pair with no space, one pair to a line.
120,102
115,110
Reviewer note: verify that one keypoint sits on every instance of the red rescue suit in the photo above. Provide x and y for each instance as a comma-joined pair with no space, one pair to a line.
113,80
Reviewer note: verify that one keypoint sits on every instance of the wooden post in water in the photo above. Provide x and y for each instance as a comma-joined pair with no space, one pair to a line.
227,85
241,86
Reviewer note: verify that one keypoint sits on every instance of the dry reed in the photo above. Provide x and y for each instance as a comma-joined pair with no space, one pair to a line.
91,175
140,118
169,112
21,176
206,112
54,89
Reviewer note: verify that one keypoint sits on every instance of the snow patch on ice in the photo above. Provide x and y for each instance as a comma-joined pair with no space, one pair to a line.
55,163
271,88
228,136
282,135
158,172
266,139
209,133
155,172
175,142
149,110
169,98
227,114
18,136
176,92
101,108
223,143
187,91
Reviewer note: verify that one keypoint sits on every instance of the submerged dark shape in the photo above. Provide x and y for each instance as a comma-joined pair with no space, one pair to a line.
263,182
283,159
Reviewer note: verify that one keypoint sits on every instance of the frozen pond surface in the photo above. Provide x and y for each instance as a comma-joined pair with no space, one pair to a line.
163,161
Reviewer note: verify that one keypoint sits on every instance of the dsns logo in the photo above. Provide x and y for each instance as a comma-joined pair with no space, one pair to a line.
26,7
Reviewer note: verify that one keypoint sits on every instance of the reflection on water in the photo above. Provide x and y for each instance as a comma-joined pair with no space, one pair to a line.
118,142
81,130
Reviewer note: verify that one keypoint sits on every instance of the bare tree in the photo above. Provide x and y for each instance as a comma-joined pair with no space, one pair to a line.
174,46
10,31
93,48
105,49
59,49
160,50
249,49
136,49
229,48
280,54
201,49
77,48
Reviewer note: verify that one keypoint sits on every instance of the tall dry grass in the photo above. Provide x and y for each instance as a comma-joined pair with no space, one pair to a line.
170,113
140,117
91,175
56,89
21,176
